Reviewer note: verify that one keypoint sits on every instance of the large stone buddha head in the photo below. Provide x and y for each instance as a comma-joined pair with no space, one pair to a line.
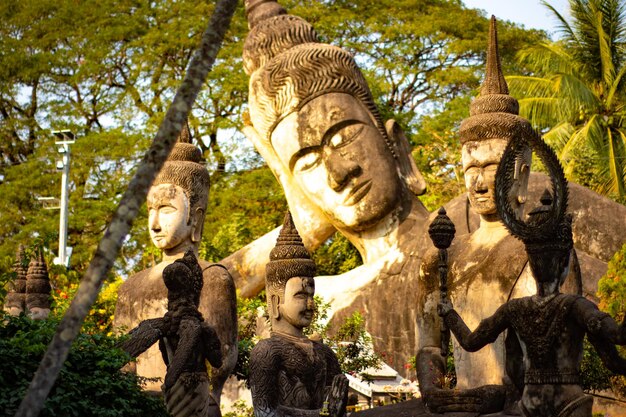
485,134
289,281
177,200
315,117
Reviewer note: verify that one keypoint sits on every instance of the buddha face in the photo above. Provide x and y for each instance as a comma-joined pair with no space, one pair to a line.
480,163
340,160
168,217
297,306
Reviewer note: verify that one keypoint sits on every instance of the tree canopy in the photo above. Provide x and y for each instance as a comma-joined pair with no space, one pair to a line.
576,92
107,70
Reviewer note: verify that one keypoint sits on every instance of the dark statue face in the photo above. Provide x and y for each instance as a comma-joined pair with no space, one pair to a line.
549,266
297,306
340,160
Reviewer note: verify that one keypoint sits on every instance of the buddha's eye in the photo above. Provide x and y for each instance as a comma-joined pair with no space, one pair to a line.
346,135
167,209
306,161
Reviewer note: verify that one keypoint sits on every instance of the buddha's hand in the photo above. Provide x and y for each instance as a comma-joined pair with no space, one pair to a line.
338,397
444,307
483,400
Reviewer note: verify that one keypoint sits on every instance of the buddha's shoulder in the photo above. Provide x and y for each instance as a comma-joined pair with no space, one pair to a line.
216,274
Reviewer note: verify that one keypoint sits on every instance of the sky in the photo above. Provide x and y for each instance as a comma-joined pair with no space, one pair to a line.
530,13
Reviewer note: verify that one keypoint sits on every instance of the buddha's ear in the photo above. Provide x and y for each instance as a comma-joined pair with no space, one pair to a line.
274,306
197,223
406,165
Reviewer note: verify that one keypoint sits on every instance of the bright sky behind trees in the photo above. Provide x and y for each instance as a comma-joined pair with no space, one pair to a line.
531,13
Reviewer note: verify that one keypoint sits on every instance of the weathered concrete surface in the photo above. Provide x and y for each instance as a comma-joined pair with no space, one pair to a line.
389,301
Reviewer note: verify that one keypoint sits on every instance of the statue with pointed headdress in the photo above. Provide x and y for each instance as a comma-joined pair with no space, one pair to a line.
38,287
177,203
291,375
488,266
549,325
15,303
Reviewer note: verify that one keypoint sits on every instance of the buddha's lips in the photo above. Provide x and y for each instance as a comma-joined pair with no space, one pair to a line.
358,192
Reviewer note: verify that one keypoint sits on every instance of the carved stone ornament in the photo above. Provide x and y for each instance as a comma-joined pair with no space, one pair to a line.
185,341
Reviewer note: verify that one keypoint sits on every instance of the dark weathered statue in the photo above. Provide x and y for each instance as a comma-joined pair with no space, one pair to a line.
177,203
185,340
38,287
15,303
550,325
291,375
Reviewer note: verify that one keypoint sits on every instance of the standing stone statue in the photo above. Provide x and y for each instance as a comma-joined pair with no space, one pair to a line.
549,325
177,203
486,267
186,341
15,303
291,375
38,287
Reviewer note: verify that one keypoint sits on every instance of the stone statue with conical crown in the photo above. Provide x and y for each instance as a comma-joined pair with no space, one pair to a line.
38,287
177,203
290,374
488,266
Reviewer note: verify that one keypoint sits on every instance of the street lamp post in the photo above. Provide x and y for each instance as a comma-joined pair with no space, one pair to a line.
64,139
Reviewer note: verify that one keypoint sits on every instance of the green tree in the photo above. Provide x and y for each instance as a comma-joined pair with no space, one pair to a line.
107,69
576,93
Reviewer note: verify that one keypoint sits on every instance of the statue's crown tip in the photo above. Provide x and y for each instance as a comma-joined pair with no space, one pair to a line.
258,10
494,79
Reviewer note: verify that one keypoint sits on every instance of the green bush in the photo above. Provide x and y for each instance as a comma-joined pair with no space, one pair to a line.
90,382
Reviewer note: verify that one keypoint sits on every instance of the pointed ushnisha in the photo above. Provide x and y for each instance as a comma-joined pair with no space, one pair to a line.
494,113
494,82
289,258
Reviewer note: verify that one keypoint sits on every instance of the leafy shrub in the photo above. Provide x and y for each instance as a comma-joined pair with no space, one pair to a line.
90,382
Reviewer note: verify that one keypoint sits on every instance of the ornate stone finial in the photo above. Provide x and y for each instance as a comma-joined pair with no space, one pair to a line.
38,285
183,168
442,230
494,82
258,10
289,258
16,296
185,134
494,113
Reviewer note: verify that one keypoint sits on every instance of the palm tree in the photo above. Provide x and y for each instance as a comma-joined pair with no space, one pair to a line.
576,93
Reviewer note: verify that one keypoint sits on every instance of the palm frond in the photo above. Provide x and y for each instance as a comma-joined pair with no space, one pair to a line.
558,136
616,159
606,51
542,112
546,58
614,88
576,96
587,135
563,25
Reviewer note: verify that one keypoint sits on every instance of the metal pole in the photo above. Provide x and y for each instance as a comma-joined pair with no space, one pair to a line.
64,206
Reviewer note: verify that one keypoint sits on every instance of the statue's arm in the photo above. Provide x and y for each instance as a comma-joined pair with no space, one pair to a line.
429,362
212,346
263,380
608,354
598,323
143,336
487,331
